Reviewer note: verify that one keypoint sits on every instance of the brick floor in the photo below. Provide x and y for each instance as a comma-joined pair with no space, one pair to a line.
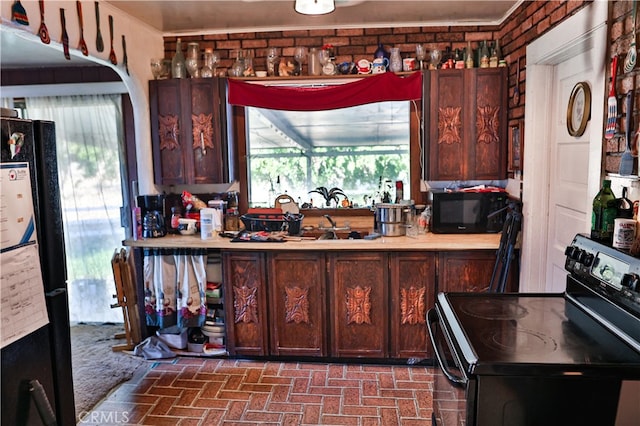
206,391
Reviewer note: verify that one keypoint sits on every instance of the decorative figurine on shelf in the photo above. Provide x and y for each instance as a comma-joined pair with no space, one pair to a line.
285,68
380,52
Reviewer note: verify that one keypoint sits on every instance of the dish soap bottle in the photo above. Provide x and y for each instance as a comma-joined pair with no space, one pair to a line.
604,214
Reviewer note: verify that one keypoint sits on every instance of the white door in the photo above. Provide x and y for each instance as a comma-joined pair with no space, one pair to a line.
561,173
569,204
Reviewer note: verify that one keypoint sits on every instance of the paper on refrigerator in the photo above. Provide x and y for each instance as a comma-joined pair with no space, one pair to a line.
23,309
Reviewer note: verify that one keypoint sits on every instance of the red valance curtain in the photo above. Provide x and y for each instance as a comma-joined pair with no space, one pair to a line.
378,88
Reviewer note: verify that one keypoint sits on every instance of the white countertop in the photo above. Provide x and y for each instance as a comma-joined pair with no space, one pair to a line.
425,242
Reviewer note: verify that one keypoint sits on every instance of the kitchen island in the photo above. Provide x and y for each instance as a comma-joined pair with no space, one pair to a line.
339,299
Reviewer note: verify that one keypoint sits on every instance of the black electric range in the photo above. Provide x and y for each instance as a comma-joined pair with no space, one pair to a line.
532,358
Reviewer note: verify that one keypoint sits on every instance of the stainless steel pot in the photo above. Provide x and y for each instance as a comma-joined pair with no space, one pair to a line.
392,229
392,213
391,219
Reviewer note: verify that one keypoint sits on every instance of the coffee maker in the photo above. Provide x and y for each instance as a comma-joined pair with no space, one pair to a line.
152,212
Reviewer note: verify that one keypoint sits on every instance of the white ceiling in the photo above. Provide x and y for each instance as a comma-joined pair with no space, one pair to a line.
249,15
220,16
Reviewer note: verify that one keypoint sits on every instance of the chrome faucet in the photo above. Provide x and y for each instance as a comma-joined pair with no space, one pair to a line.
331,221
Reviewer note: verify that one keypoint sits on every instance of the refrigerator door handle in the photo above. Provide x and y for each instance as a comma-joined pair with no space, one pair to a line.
56,292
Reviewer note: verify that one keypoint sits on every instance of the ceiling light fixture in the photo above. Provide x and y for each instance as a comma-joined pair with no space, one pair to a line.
314,7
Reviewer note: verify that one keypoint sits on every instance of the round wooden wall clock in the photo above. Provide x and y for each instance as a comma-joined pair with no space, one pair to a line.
579,109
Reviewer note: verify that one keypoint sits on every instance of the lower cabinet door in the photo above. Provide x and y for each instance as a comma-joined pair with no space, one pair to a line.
297,303
358,304
413,283
245,303
465,272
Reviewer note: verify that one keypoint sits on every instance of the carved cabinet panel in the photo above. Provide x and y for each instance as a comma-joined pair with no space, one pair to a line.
188,130
245,303
412,293
466,131
470,271
358,304
297,303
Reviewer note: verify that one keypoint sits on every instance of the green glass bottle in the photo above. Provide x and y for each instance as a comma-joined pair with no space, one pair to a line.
604,214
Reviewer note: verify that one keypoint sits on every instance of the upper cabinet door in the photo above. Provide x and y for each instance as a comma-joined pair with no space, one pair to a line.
167,130
490,131
188,130
466,132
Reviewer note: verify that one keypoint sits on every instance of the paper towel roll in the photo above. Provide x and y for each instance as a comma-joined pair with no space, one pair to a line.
624,233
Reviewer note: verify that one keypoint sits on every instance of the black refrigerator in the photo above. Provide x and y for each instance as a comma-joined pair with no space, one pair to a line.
36,368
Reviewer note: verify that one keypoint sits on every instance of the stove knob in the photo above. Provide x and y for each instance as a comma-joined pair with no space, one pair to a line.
631,281
582,256
588,260
569,251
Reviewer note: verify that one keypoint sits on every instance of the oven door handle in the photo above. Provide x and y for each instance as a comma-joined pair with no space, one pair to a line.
432,319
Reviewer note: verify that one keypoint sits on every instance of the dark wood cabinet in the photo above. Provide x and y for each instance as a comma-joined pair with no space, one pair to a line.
471,271
245,298
466,124
297,322
188,130
412,292
343,304
358,304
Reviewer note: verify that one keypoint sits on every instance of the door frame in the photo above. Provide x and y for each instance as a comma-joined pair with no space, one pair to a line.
586,30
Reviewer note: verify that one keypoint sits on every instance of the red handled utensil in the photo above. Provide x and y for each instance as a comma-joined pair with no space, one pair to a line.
82,45
612,102
43,31
112,53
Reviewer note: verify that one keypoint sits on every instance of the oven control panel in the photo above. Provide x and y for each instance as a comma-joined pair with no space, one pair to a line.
605,269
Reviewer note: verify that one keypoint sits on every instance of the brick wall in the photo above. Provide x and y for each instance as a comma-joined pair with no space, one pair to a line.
530,20
620,36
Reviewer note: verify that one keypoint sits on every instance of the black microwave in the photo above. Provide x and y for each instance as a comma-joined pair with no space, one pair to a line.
463,212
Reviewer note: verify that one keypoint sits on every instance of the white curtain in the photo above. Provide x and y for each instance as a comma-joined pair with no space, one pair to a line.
89,139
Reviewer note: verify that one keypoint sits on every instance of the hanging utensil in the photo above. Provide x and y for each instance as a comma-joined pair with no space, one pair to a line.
125,62
112,53
632,54
18,14
65,36
43,31
612,102
516,91
99,42
82,45
626,161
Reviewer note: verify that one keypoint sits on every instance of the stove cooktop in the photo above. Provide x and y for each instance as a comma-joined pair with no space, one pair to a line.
539,332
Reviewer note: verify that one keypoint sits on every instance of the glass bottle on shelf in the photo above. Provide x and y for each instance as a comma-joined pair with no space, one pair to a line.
272,61
469,56
208,64
484,55
192,60
494,57
314,62
603,214
178,69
